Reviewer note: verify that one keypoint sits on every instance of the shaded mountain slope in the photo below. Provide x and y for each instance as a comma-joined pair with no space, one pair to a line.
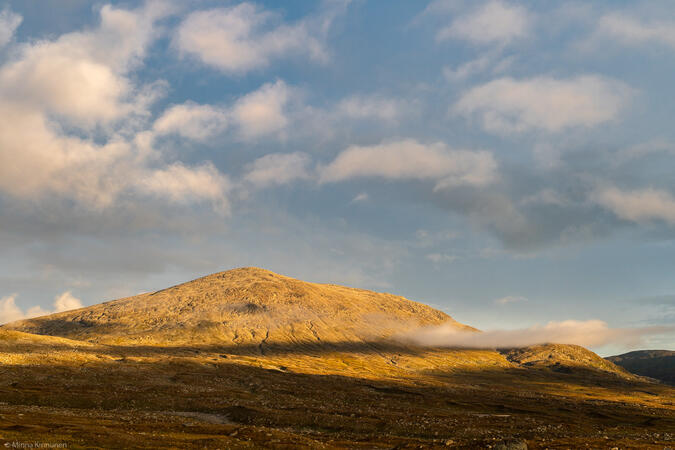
247,306
657,364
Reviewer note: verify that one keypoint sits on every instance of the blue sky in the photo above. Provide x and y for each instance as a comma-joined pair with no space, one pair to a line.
508,162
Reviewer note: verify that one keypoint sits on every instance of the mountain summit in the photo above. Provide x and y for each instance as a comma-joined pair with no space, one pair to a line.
245,306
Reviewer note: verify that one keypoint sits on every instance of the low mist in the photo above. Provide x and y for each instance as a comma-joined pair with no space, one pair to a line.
589,333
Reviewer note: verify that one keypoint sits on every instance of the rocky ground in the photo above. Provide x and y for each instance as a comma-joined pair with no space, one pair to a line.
117,397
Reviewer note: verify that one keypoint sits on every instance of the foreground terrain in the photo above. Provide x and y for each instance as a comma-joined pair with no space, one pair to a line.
248,358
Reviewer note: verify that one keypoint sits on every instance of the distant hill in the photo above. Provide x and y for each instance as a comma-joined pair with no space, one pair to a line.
263,314
559,358
657,364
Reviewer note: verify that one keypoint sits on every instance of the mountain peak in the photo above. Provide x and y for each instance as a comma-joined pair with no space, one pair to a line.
248,305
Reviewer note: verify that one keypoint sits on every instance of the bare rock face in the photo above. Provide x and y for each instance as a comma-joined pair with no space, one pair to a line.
247,306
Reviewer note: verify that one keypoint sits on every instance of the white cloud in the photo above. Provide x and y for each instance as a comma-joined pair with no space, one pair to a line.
495,22
244,37
36,311
30,144
360,198
639,206
180,184
409,159
631,31
510,299
269,111
82,80
9,22
439,258
589,333
482,64
467,69
193,121
262,112
66,302
371,107
81,76
506,105
277,168
546,197
9,311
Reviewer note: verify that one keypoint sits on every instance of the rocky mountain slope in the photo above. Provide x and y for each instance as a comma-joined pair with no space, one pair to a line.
247,306
251,311
657,364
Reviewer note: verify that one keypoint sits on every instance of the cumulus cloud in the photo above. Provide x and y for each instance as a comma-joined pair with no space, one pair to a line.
192,121
467,69
244,37
491,62
589,333
495,22
438,258
271,110
10,311
66,302
9,22
277,169
261,112
56,94
257,114
371,107
81,76
180,184
507,105
411,160
640,206
632,31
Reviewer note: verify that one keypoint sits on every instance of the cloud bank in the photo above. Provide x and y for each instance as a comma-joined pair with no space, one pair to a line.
589,333
10,311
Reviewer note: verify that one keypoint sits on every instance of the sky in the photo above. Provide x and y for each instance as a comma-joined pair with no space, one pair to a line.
507,162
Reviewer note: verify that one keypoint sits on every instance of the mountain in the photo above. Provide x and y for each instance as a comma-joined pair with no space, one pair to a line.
251,359
246,306
560,358
657,364
256,312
